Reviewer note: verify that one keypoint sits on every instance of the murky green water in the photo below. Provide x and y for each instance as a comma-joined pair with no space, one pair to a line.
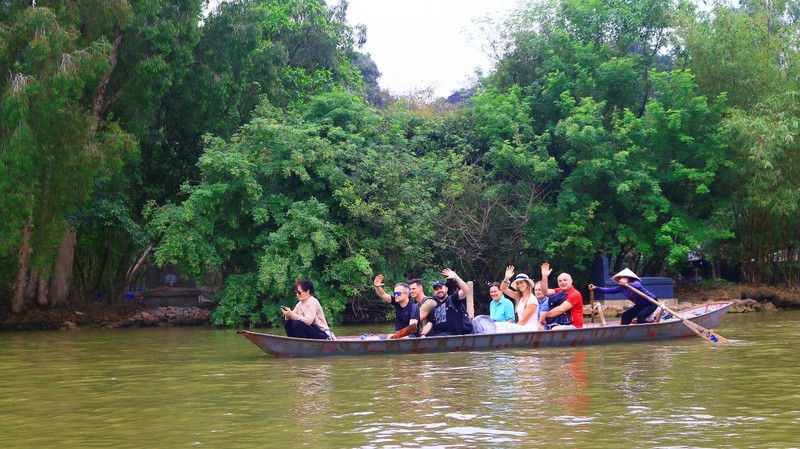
211,388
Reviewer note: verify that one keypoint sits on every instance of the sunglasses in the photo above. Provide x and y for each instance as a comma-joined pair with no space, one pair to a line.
398,293
298,292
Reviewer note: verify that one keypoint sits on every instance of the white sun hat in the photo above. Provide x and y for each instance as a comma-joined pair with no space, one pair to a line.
522,277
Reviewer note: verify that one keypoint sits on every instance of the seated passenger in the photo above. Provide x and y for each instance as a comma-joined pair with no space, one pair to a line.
307,320
544,305
500,308
527,304
406,311
449,315
571,302
418,295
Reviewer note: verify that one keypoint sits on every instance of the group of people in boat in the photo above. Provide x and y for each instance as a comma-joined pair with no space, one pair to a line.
518,304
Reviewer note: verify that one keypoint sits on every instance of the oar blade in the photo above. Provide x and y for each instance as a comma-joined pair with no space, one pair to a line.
404,332
707,334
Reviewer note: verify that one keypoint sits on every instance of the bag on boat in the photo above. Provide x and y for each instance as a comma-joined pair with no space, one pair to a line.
457,317
560,320
483,324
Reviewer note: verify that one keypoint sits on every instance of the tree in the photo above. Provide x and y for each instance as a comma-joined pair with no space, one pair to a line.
315,193
766,199
370,74
642,190
142,47
750,53
635,176
283,51
53,145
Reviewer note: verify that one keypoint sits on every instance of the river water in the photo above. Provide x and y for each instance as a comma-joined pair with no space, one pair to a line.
201,387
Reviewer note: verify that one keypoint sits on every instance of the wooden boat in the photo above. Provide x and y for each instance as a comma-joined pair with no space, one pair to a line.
707,315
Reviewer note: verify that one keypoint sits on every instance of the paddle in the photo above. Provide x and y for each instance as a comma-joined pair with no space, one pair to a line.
596,308
600,312
404,332
706,334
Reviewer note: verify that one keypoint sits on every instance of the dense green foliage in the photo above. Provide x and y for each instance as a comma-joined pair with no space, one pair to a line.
52,148
252,147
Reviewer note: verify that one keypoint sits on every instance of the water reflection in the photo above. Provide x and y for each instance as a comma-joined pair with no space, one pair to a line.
443,401
579,373
311,385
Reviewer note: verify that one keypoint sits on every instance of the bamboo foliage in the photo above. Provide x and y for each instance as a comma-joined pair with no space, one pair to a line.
768,197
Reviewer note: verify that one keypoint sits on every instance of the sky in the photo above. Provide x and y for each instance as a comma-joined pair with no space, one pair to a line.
418,44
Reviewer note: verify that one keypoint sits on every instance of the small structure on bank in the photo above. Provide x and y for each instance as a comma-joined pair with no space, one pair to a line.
167,288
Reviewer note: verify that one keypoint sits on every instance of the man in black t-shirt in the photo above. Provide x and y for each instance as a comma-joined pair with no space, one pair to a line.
406,311
439,321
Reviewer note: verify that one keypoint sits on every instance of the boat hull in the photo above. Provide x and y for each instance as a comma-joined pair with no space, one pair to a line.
706,315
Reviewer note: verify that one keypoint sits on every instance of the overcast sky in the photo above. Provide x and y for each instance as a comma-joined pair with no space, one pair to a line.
424,43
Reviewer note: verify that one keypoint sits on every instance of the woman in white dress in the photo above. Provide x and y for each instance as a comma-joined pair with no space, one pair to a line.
523,296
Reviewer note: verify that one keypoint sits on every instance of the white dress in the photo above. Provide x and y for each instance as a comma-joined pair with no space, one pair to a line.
531,325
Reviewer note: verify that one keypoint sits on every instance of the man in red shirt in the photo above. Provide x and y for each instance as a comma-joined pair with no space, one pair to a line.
573,304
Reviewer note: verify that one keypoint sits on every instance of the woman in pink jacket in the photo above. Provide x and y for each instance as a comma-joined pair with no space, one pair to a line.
306,320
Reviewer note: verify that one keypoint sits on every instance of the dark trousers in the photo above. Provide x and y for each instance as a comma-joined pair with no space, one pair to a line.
299,329
639,311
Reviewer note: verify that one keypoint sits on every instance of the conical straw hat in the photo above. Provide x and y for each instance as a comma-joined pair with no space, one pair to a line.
625,273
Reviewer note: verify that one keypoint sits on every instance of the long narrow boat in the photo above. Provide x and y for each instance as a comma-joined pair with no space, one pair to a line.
707,315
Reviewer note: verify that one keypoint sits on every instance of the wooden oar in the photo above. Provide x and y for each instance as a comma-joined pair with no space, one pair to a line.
707,334
404,332
591,303
600,312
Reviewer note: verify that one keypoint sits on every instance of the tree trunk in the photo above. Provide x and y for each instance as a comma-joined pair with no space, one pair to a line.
101,104
31,285
17,301
36,289
143,258
41,293
62,272
119,284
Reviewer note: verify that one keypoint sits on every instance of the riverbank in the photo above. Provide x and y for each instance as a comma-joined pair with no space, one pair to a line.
747,298
104,316
782,297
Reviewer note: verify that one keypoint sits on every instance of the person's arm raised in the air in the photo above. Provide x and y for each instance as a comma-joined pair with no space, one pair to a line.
546,271
463,286
505,286
378,284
